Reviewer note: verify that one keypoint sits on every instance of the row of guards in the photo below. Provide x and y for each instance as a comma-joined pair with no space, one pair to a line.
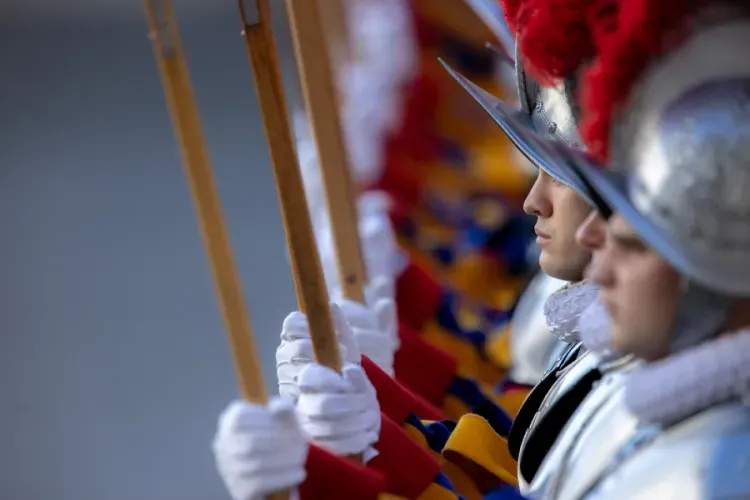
454,189
635,117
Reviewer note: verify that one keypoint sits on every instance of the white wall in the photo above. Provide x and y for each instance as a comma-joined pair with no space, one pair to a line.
113,358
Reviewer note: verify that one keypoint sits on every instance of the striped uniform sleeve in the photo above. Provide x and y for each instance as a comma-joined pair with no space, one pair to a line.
410,471
424,440
467,396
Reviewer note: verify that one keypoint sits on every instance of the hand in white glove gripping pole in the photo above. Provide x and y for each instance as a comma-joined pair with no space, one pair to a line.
260,449
339,412
375,328
295,352
359,329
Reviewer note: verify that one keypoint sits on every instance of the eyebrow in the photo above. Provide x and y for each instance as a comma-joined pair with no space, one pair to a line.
627,239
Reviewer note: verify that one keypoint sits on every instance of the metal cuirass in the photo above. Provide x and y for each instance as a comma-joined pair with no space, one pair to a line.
602,418
706,456
531,343
573,384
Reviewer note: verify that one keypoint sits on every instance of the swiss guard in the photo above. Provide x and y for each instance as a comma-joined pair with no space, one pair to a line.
665,105
561,203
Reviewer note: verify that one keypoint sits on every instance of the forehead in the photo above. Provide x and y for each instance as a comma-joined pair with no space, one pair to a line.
595,219
619,225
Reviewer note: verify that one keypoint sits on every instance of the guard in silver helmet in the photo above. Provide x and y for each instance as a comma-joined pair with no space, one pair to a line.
559,202
673,271
550,111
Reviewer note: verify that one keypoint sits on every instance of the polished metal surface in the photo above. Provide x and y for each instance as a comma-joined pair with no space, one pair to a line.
531,342
572,386
553,114
704,457
586,362
564,459
610,428
685,141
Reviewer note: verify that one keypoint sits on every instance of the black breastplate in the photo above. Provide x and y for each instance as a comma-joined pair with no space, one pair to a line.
543,433
535,398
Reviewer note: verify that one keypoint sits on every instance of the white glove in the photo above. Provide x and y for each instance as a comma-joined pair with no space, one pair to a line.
370,111
384,35
260,450
375,330
376,104
381,287
382,255
339,412
296,352
365,145
375,203
307,155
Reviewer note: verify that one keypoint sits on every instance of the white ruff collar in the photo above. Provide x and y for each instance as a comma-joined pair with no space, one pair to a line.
563,309
683,384
595,329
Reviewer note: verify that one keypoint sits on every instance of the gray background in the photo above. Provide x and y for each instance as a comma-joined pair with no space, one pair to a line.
114,360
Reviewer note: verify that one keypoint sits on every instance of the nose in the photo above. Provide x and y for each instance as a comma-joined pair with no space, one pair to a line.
592,232
537,202
600,269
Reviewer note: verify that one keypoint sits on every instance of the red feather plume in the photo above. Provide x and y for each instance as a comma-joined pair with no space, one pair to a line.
645,30
511,9
555,38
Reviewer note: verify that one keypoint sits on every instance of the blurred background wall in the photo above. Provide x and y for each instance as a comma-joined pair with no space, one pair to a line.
114,364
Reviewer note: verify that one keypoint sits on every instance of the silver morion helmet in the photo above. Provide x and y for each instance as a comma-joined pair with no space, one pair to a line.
683,143
547,111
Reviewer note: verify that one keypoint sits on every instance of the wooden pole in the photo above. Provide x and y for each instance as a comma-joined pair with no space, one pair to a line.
319,89
308,274
336,26
186,122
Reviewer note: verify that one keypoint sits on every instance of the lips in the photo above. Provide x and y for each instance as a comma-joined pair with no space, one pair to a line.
541,234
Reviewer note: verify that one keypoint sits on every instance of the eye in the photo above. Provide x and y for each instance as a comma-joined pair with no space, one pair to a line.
630,244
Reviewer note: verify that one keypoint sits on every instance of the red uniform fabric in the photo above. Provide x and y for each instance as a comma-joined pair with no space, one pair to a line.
399,178
395,400
330,477
423,368
418,296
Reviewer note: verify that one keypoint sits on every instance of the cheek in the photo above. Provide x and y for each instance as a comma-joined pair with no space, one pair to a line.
571,212
634,290
565,233
650,296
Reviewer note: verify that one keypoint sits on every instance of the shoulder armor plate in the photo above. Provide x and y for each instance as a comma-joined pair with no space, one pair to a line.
562,400
704,457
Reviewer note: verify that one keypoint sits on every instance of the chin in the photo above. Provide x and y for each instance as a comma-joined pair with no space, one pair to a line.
622,342
559,268
626,341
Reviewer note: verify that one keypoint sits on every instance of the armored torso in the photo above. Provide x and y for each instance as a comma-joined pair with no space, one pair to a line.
602,419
